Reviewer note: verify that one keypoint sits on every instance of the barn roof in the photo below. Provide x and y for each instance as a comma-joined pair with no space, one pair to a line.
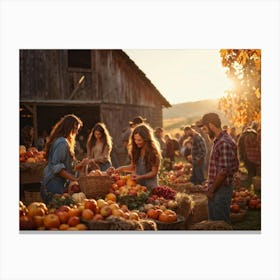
142,75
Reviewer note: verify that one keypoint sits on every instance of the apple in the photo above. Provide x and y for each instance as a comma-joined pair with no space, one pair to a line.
101,202
72,228
117,212
81,227
74,212
64,208
110,196
63,227
114,206
26,223
124,208
253,203
73,221
63,216
234,208
105,211
51,221
87,214
126,215
120,182
75,188
90,204
98,217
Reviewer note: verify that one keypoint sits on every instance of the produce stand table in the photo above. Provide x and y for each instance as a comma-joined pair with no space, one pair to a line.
31,175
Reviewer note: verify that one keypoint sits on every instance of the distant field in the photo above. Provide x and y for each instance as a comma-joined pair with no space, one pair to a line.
175,125
179,115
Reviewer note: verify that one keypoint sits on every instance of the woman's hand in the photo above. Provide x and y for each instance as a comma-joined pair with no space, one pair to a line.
82,164
111,170
136,177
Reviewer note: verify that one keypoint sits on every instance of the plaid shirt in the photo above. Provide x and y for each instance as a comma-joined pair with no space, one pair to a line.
223,159
253,148
198,147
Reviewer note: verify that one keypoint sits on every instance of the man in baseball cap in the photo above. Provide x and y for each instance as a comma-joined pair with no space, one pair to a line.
137,120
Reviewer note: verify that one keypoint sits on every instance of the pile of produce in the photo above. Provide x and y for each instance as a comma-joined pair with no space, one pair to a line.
31,155
130,193
244,199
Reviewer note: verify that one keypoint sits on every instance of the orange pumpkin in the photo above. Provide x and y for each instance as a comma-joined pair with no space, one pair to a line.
163,217
153,213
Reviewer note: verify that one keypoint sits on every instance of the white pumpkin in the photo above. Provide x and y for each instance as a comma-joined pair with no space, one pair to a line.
79,197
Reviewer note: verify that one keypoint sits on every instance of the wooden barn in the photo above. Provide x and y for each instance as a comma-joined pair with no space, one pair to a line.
96,85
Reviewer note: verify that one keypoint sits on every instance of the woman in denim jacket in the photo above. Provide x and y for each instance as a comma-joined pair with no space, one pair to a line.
60,155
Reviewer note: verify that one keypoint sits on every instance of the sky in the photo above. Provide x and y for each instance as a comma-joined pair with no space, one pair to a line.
183,75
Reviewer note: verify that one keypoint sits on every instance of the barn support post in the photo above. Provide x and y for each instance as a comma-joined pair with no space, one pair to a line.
33,110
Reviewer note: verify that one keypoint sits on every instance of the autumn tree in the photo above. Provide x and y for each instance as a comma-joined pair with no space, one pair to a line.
242,103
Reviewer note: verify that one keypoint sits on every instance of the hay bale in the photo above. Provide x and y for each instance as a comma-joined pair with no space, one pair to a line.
148,224
185,206
179,187
123,224
200,208
211,225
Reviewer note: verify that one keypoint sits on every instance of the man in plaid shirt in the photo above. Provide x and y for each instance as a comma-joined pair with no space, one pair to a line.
223,165
198,153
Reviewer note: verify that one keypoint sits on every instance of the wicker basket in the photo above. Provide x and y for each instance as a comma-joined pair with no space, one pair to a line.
32,196
95,186
238,217
97,225
114,224
177,225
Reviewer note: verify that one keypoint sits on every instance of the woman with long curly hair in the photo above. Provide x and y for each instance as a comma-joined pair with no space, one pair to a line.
145,156
60,155
99,146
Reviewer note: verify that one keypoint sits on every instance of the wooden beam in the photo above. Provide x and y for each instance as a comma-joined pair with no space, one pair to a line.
29,108
35,125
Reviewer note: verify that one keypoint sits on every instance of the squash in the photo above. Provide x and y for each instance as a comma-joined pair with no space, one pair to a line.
79,197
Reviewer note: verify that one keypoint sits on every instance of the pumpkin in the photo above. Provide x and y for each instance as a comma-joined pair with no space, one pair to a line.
79,197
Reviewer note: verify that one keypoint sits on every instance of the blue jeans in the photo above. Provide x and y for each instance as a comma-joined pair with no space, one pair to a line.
219,206
197,174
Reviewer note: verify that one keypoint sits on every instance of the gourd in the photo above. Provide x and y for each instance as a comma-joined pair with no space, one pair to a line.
79,197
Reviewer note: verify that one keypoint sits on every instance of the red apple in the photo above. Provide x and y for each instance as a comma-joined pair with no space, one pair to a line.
64,208
75,188
63,216
87,214
90,204
234,208
253,203
73,221
98,217
26,223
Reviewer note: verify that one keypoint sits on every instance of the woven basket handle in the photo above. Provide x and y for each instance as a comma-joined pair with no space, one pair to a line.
95,165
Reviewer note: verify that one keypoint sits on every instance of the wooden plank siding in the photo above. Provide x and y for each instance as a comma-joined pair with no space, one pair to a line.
113,86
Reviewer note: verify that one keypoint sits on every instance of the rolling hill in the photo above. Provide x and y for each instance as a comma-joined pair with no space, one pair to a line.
187,113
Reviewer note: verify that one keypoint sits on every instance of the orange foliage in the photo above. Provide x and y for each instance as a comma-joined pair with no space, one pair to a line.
242,104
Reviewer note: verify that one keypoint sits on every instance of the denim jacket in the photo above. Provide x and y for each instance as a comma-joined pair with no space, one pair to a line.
59,158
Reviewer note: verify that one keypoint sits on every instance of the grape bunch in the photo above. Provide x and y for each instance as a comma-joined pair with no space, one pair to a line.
164,191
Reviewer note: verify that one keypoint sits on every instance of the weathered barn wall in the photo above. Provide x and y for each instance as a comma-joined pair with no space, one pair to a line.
112,89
